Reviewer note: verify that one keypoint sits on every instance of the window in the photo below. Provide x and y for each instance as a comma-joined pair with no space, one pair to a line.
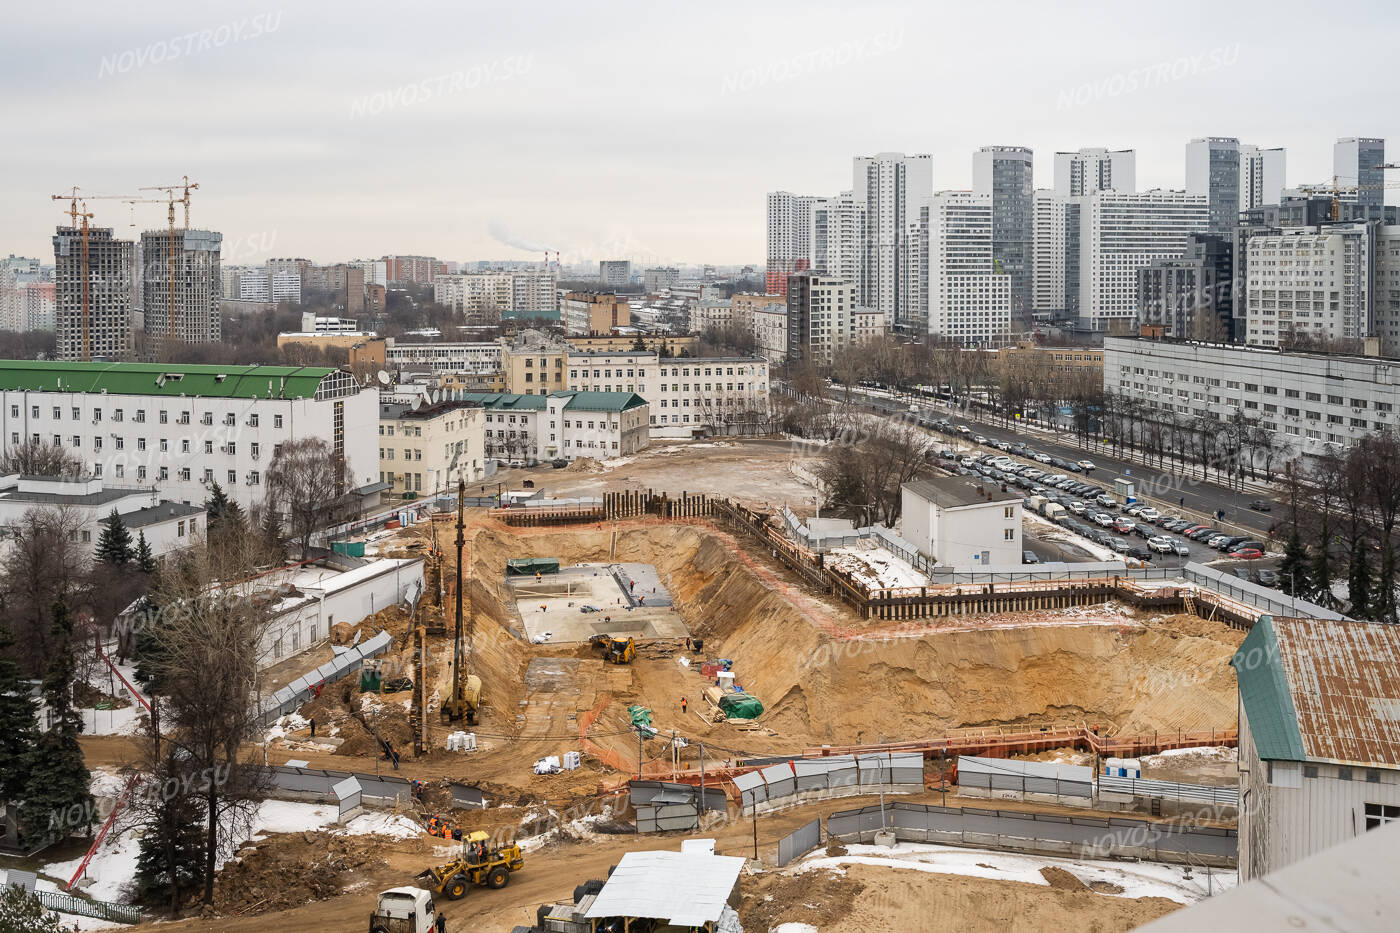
1379,814
1009,534
1010,511
253,478
277,422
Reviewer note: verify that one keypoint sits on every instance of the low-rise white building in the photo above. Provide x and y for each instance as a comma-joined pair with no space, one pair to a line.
88,505
686,395
962,523
525,429
470,357
183,427
1319,737
1313,403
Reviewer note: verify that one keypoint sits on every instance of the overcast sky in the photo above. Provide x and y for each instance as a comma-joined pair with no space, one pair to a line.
649,131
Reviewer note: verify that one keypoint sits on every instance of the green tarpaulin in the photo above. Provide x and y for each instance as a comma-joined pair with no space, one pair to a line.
528,566
740,706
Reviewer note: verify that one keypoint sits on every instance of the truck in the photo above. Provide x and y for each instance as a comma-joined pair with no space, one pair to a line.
404,910
1052,510
1036,503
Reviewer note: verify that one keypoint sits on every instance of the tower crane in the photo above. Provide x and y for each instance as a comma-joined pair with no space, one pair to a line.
77,210
1336,190
185,186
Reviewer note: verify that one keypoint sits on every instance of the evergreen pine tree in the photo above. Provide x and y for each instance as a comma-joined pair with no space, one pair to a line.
17,722
145,560
170,866
57,801
1293,571
22,912
274,540
639,345
215,505
1360,582
114,544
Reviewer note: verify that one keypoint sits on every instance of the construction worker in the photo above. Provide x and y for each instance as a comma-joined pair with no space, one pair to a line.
313,727
441,922
683,705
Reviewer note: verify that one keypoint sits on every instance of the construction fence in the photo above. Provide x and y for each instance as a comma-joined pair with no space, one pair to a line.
789,783
290,698
799,842
1038,833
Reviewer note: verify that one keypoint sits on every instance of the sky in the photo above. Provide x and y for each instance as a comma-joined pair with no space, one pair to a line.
631,130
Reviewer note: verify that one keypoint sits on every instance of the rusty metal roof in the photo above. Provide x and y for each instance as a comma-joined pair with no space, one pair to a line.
1344,679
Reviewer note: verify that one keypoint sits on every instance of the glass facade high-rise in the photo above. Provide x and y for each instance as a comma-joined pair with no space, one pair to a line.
1213,169
1004,173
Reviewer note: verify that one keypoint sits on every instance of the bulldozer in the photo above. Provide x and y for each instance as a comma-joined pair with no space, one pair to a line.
615,650
478,865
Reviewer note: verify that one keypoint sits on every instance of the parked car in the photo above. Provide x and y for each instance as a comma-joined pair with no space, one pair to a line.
1160,544
979,439
1249,553
964,429
1148,513
947,454
1202,533
1181,549
1145,530
1042,458
1268,577
1122,526
1250,542
1107,501
1103,519
1087,466
1262,505
1138,552
1133,509
1078,508
1216,540
1030,557
1102,537
1074,467
1120,545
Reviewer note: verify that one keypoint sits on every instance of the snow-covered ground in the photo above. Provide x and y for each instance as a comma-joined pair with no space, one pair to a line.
124,721
1137,879
1204,752
1049,531
114,865
876,567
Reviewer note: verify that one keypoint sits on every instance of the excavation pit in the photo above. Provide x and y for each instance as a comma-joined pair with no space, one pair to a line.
584,600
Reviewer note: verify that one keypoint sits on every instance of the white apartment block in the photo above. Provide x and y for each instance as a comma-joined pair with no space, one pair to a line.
824,319
1095,169
1309,284
601,425
11,310
1313,403
962,524
1263,175
1385,291
534,290
660,277
789,237
891,186
1048,253
686,396
473,357
837,237
615,273
969,299
261,285
376,271
483,296
181,428
426,447
1120,233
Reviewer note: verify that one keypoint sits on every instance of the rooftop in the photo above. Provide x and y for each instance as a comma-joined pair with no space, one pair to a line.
164,512
955,492
167,379
1322,690
503,400
685,889
600,401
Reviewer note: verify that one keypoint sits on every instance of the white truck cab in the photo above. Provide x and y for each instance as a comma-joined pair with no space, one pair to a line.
404,910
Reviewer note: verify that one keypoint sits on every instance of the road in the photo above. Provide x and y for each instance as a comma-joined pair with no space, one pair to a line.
1158,484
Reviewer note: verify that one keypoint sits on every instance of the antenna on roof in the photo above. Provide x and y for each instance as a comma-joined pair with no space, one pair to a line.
383,377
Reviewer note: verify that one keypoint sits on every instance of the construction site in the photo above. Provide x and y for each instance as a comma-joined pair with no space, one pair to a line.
669,665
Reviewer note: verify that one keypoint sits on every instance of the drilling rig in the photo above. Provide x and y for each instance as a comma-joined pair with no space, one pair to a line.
465,699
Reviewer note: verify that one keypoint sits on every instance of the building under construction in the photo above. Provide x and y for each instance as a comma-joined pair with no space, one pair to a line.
98,283
190,260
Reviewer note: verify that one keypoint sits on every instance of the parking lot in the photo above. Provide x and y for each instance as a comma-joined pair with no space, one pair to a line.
1093,520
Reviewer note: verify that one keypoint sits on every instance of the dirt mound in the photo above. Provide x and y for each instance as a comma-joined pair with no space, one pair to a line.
1061,880
288,871
584,465
1105,887
818,898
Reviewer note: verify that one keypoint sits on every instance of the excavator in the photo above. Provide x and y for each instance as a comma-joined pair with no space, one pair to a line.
615,650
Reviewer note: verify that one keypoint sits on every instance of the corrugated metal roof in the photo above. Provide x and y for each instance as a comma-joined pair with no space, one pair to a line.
683,888
1264,691
163,379
1344,678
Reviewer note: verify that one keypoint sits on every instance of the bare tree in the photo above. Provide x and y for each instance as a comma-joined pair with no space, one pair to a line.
45,565
205,645
40,458
307,482
868,474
